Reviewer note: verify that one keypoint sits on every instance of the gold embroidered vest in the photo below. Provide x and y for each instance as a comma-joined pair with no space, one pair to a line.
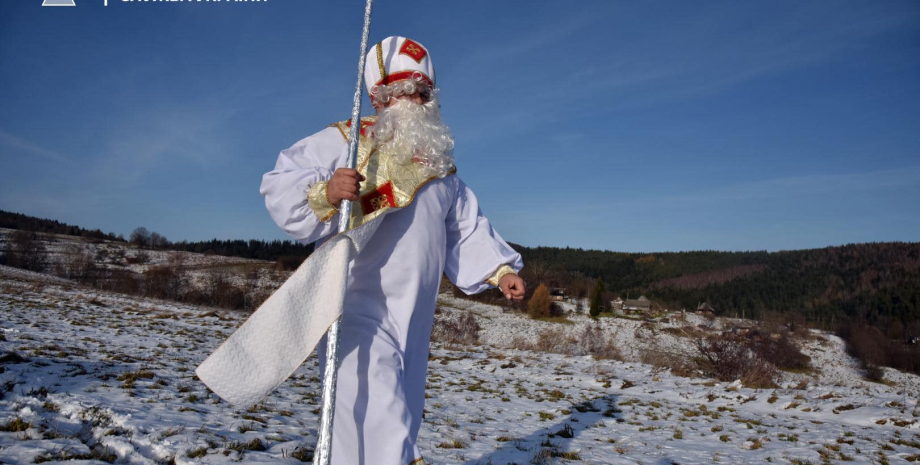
388,183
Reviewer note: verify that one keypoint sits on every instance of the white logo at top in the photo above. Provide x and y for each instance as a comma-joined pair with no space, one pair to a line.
59,3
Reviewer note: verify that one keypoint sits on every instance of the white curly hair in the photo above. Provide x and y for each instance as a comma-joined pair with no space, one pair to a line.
413,132
382,94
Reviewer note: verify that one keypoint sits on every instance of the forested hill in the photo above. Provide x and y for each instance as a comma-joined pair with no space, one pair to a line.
290,253
877,283
12,220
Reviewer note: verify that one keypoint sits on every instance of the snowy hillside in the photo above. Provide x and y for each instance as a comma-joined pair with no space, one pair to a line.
636,337
102,377
62,250
185,276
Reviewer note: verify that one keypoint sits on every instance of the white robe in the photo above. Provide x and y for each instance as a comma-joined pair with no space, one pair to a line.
391,294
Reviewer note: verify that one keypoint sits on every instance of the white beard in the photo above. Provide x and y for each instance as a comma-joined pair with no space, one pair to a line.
410,132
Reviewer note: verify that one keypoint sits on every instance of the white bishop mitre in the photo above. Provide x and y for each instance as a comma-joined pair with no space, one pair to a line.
397,58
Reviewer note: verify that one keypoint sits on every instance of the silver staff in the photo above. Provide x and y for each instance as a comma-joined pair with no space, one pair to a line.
324,446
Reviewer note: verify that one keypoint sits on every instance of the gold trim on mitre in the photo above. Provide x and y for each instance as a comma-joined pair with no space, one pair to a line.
380,65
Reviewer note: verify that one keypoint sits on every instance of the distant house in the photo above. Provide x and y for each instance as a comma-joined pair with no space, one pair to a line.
557,294
705,309
617,304
640,305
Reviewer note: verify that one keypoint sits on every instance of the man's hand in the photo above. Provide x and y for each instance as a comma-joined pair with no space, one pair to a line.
512,286
344,185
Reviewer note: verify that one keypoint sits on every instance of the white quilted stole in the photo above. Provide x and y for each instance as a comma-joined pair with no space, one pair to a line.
276,339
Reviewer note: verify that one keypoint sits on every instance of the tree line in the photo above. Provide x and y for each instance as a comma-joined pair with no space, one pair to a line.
12,220
873,283
877,284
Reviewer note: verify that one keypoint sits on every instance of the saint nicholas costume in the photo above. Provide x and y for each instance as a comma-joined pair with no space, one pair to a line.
408,228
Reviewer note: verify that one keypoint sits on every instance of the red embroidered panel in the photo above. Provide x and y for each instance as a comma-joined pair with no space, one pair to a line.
380,198
364,126
413,49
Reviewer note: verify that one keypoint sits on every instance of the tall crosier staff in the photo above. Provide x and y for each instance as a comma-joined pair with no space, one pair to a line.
324,445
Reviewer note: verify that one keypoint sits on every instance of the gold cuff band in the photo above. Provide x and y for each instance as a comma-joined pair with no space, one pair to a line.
318,200
501,271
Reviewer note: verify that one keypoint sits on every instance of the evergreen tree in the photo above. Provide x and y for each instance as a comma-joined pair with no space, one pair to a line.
597,299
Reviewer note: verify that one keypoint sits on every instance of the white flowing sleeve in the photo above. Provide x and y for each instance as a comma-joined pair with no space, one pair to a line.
300,171
476,254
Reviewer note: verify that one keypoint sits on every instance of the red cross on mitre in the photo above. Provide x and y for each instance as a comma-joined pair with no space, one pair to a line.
364,126
413,49
382,197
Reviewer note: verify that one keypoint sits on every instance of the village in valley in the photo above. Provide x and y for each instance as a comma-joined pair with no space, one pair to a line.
647,310
641,307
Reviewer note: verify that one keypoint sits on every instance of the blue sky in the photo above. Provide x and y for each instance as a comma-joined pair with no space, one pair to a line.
629,126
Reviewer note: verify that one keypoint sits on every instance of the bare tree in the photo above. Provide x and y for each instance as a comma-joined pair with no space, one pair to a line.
140,237
27,251
538,271
158,241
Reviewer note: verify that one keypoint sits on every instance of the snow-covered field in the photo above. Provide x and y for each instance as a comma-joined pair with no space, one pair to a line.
635,337
62,252
99,377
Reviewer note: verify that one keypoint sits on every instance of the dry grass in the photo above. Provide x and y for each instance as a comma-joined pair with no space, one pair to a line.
458,329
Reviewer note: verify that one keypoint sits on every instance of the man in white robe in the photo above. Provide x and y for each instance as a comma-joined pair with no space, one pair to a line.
434,227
